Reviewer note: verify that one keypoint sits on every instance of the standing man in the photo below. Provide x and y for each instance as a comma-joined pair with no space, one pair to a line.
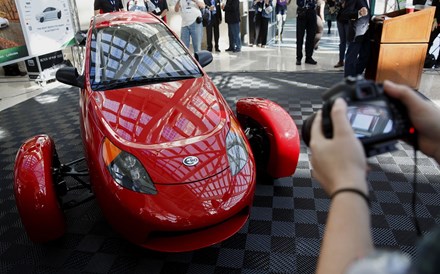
192,27
357,12
343,29
213,26
105,6
232,18
305,22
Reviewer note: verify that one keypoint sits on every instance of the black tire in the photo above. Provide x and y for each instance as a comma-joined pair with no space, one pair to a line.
41,19
260,145
59,15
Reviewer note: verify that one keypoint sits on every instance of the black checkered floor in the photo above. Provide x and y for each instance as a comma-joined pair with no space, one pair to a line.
287,221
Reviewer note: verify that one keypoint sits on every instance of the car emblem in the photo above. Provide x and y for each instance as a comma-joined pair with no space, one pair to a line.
191,161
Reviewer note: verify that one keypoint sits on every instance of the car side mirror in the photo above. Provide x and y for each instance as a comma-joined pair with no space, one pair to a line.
70,76
204,57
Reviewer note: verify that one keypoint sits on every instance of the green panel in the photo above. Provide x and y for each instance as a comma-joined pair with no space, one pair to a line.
7,55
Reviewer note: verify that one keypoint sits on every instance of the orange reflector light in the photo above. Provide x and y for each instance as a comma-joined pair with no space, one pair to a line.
109,151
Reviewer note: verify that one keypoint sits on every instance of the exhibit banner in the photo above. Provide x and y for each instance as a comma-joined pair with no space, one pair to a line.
47,25
12,42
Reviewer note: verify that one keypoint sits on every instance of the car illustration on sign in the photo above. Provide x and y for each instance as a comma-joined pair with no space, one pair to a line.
49,13
172,167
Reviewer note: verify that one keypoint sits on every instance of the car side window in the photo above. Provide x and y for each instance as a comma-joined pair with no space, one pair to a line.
137,53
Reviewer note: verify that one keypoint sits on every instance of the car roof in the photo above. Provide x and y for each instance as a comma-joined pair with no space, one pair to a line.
123,17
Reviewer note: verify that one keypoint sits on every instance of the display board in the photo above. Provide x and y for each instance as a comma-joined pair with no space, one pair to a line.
12,42
47,25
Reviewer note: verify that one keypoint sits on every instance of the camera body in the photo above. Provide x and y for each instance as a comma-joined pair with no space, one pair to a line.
377,119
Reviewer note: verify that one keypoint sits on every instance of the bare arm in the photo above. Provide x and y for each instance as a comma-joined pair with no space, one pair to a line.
200,4
321,10
177,6
340,163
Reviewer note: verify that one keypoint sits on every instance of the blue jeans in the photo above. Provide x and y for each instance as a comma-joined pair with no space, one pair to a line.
234,36
193,31
343,29
357,56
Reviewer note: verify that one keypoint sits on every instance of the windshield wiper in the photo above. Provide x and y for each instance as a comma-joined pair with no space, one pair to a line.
135,82
168,78
111,85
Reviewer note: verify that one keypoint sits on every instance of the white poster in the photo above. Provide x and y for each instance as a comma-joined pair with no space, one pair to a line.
47,25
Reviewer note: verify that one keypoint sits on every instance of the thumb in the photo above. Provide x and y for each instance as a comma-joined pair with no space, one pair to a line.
341,126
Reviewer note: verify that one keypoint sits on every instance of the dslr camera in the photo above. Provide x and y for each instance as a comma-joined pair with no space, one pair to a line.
378,120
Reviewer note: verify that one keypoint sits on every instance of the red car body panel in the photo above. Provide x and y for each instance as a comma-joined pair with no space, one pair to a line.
161,124
38,203
284,148
168,122
208,196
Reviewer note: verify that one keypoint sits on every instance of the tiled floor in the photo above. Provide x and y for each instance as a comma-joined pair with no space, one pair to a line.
275,57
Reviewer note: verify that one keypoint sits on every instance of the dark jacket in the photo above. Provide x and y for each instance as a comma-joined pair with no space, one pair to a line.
436,4
232,11
218,13
358,26
106,6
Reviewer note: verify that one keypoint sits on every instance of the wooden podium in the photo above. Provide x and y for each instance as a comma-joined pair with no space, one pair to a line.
399,47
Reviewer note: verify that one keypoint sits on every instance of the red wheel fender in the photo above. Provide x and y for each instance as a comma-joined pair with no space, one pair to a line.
281,131
34,190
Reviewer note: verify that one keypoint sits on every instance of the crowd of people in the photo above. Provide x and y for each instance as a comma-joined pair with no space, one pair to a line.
352,17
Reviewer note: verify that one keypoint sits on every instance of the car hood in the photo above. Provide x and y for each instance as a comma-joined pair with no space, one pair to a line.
162,113
162,124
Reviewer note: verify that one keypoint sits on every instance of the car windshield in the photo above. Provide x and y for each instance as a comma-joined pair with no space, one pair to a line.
137,53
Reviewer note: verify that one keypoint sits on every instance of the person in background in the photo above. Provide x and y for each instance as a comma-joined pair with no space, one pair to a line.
340,166
281,12
263,11
160,9
343,28
232,18
358,14
305,23
105,6
140,5
435,29
214,25
192,27
319,22
330,13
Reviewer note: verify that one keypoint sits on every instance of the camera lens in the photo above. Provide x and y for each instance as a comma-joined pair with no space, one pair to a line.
307,128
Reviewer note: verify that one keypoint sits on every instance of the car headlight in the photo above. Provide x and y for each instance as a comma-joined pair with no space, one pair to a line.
236,149
126,169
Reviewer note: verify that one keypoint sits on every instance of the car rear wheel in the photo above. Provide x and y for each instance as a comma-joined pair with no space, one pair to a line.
59,15
273,129
41,19
35,192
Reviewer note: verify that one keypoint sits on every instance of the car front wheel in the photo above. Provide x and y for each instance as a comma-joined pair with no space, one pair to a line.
35,192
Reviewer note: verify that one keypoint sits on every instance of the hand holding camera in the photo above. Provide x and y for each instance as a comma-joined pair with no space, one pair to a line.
377,119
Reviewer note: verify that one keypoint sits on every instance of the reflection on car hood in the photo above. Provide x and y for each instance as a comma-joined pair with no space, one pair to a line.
168,122
162,113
